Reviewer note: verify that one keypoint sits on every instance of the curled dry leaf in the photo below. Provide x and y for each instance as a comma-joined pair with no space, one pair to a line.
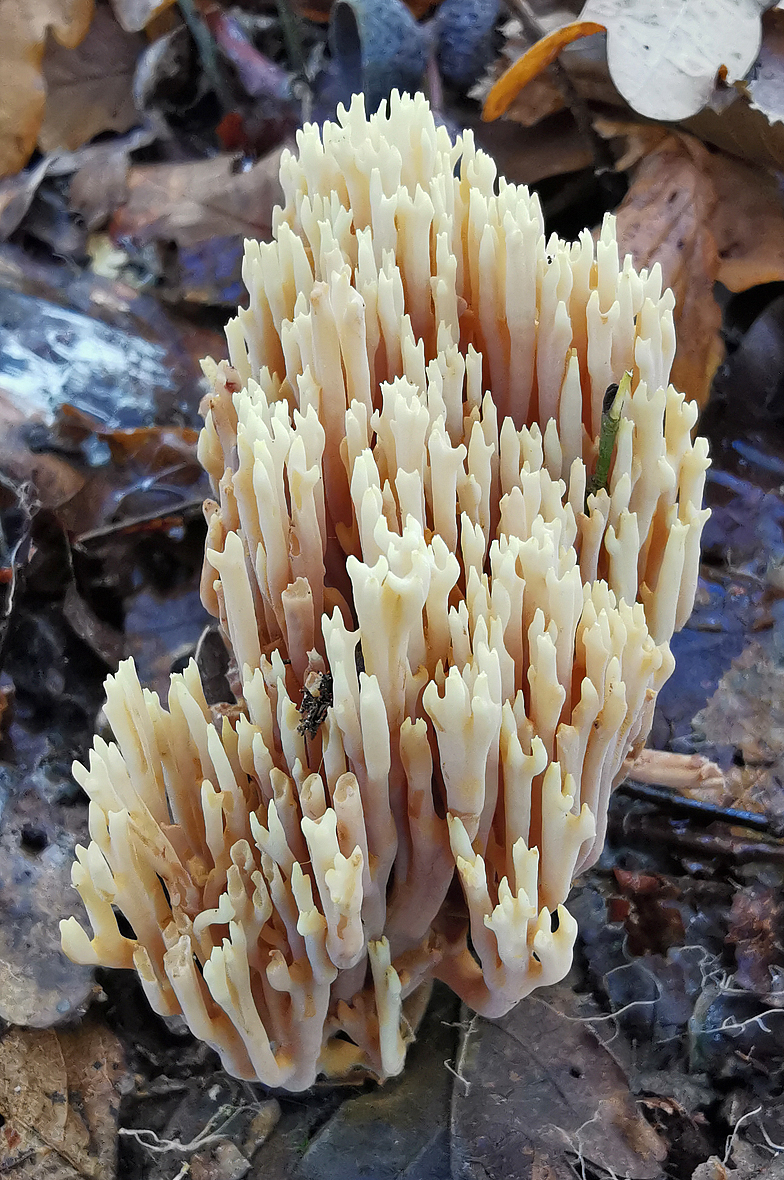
23,28
748,225
541,55
585,61
666,218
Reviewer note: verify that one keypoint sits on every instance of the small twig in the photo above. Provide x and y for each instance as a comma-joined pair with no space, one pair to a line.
457,1075
291,35
670,801
136,523
207,51
457,1069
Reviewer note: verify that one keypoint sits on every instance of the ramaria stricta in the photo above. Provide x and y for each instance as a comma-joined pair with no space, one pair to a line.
446,634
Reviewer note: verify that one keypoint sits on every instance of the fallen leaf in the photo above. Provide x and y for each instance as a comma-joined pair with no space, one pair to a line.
135,15
89,89
746,213
16,195
748,224
538,1089
741,131
665,55
585,61
541,55
38,986
189,203
53,479
526,155
667,217
755,930
765,87
23,28
205,209
59,1097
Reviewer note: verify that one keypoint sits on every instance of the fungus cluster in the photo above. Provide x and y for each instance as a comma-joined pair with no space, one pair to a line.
446,632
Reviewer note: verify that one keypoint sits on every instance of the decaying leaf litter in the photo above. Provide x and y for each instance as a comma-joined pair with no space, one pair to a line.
139,145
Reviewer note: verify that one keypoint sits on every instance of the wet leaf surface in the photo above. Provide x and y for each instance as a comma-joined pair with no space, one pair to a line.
541,1092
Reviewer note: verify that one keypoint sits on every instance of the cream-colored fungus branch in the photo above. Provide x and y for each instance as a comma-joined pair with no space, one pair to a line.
400,449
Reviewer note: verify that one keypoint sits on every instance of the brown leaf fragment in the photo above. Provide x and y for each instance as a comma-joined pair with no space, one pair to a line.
755,930
189,203
33,1082
537,1092
59,1097
747,711
95,1066
748,224
89,89
23,29
16,195
666,217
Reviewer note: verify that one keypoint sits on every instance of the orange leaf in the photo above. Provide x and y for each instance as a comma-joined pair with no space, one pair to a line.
530,65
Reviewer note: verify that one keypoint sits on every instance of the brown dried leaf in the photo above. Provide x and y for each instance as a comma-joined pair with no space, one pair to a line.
59,1098
747,711
585,61
666,217
537,1090
742,131
755,930
189,203
23,29
748,217
89,89
16,195
748,224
